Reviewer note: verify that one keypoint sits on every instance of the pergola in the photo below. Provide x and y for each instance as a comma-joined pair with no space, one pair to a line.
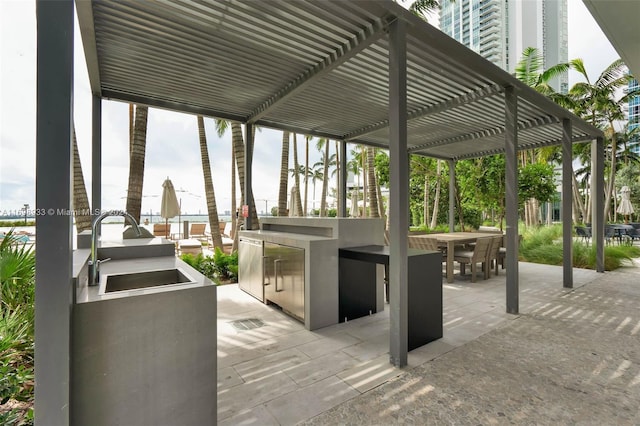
366,72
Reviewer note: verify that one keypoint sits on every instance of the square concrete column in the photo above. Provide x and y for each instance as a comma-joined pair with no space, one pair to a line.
597,200
567,205
511,177
398,194
96,156
54,292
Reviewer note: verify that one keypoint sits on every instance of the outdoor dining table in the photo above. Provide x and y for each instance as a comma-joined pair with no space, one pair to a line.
449,240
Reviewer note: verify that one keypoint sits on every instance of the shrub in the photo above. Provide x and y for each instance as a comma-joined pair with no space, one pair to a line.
544,245
17,295
220,268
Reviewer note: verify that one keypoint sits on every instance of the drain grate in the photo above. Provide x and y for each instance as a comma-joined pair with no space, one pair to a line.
247,324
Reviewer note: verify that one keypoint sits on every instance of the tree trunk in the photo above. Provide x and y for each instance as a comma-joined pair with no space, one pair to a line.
373,195
212,208
131,127
425,201
363,160
234,206
306,176
284,176
612,176
339,193
296,167
436,199
238,148
81,207
325,181
381,207
136,163
579,206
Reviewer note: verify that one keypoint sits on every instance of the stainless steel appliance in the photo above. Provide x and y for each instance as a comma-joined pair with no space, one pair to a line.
250,267
284,278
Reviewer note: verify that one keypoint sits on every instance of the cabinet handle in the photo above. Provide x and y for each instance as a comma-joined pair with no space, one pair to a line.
275,270
265,277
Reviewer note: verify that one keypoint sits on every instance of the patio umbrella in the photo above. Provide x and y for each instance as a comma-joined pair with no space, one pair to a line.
625,208
355,211
169,207
293,205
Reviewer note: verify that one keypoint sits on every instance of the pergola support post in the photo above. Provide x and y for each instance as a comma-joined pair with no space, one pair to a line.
452,195
597,200
342,176
54,161
398,194
511,177
248,174
567,205
96,156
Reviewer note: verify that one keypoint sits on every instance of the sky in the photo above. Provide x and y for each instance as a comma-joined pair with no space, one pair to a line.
172,138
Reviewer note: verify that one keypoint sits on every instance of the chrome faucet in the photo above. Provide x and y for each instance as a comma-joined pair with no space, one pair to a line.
94,263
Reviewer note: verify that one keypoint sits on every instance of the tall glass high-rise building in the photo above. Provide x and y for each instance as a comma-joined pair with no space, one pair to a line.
500,30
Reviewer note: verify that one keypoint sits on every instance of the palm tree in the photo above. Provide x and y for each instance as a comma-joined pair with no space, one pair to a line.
353,166
436,200
596,102
212,208
421,8
530,70
315,174
339,193
238,148
296,167
284,177
323,143
371,171
221,128
136,162
307,173
81,207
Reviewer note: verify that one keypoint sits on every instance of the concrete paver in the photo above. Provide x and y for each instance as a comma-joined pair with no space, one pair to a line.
572,356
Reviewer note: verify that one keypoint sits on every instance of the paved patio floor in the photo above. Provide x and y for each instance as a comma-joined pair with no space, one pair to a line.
571,357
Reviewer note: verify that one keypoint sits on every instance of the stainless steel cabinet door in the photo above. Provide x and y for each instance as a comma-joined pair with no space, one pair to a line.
250,267
284,278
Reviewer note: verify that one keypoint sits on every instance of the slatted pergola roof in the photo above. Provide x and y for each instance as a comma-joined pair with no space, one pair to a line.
314,67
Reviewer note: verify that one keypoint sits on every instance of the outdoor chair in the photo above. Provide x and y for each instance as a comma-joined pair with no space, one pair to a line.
426,244
161,229
583,233
493,255
502,252
633,234
479,254
198,231
609,234
227,237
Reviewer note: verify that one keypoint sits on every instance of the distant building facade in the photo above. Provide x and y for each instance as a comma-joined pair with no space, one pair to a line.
500,30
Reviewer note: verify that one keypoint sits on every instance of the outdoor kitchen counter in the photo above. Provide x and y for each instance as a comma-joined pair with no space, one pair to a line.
146,355
85,293
320,272
281,237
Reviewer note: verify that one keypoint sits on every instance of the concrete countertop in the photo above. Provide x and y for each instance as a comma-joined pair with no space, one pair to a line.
282,237
86,293
130,256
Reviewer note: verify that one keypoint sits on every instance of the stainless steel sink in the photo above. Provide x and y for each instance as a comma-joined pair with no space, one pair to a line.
147,279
